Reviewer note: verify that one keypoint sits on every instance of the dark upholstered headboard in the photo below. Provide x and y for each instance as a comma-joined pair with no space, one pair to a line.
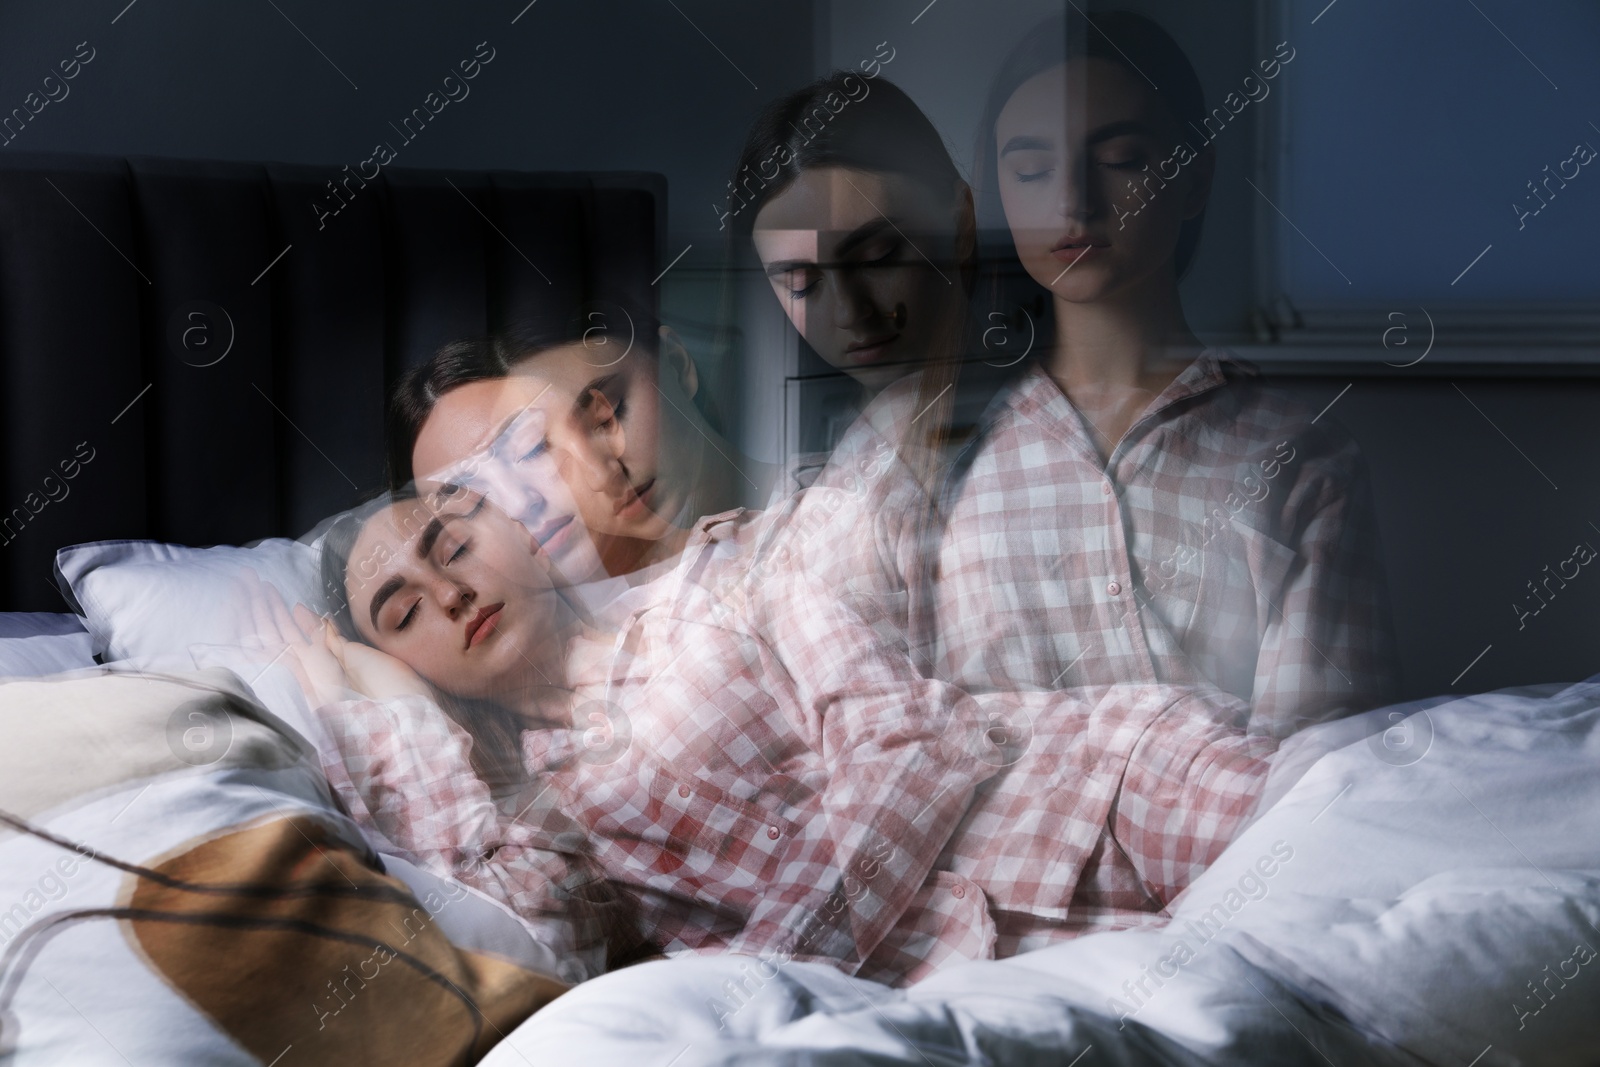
198,352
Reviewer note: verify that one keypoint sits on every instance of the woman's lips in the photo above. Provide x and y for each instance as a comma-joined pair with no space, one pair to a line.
555,535
481,625
872,351
1074,253
637,503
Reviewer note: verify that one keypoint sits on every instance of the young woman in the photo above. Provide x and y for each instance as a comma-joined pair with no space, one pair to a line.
618,419
1138,507
761,778
1216,532
1135,509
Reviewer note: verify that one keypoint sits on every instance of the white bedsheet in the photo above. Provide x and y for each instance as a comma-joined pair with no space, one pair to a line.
1435,899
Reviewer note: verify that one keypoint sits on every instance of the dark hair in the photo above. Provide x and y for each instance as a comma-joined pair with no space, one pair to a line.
843,120
337,544
413,398
496,731
1133,42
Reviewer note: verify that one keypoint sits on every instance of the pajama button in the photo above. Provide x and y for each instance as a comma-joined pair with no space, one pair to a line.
683,791
959,891
772,832
1115,588
1105,488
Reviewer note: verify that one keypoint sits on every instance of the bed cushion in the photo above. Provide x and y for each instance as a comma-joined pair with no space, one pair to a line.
148,601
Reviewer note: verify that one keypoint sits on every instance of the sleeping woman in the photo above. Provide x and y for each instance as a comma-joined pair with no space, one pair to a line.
639,456
756,774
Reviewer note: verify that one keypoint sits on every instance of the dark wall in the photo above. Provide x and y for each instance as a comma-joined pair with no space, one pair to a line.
573,85
1481,482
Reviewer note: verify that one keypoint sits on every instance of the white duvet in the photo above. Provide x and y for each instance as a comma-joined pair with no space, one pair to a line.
1425,891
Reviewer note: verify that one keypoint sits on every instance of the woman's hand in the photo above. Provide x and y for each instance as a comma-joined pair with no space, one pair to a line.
377,674
328,667
298,635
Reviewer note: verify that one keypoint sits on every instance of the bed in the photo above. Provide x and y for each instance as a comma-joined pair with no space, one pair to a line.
1423,885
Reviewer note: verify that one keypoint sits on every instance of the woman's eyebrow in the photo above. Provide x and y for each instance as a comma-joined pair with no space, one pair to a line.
865,232
435,527
784,266
1125,128
1026,143
381,597
430,536
510,421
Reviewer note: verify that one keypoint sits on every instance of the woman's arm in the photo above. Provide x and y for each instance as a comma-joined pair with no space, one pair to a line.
403,769
1326,637
904,757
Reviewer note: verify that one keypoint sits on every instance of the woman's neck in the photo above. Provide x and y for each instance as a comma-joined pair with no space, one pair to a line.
728,479
628,555
545,706
1113,357
545,696
1131,340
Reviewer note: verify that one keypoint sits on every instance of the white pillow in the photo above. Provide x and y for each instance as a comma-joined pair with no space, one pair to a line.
145,600
33,644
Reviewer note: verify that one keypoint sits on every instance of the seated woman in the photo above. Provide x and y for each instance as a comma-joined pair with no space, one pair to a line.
759,778
1137,506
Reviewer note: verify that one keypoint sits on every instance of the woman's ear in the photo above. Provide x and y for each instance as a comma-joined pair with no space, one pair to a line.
676,361
1204,172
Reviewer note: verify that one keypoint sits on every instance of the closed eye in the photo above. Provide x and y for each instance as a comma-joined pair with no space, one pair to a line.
879,254
800,281
405,620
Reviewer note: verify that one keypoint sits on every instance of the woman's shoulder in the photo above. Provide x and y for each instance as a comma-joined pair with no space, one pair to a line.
1260,406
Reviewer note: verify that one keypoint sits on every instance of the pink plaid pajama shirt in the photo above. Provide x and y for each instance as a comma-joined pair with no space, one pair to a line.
761,770
1228,541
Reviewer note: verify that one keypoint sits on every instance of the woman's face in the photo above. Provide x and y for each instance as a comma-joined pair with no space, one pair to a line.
605,437
488,438
459,592
1088,220
865,266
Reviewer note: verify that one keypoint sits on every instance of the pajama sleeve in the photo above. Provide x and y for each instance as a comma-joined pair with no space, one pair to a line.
403,769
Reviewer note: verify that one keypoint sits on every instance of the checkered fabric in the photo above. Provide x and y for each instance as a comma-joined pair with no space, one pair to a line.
1229,541
762,771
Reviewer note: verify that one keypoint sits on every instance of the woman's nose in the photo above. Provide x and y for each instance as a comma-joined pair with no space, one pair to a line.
853,304
453,595
599,463
512,493
1076,200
